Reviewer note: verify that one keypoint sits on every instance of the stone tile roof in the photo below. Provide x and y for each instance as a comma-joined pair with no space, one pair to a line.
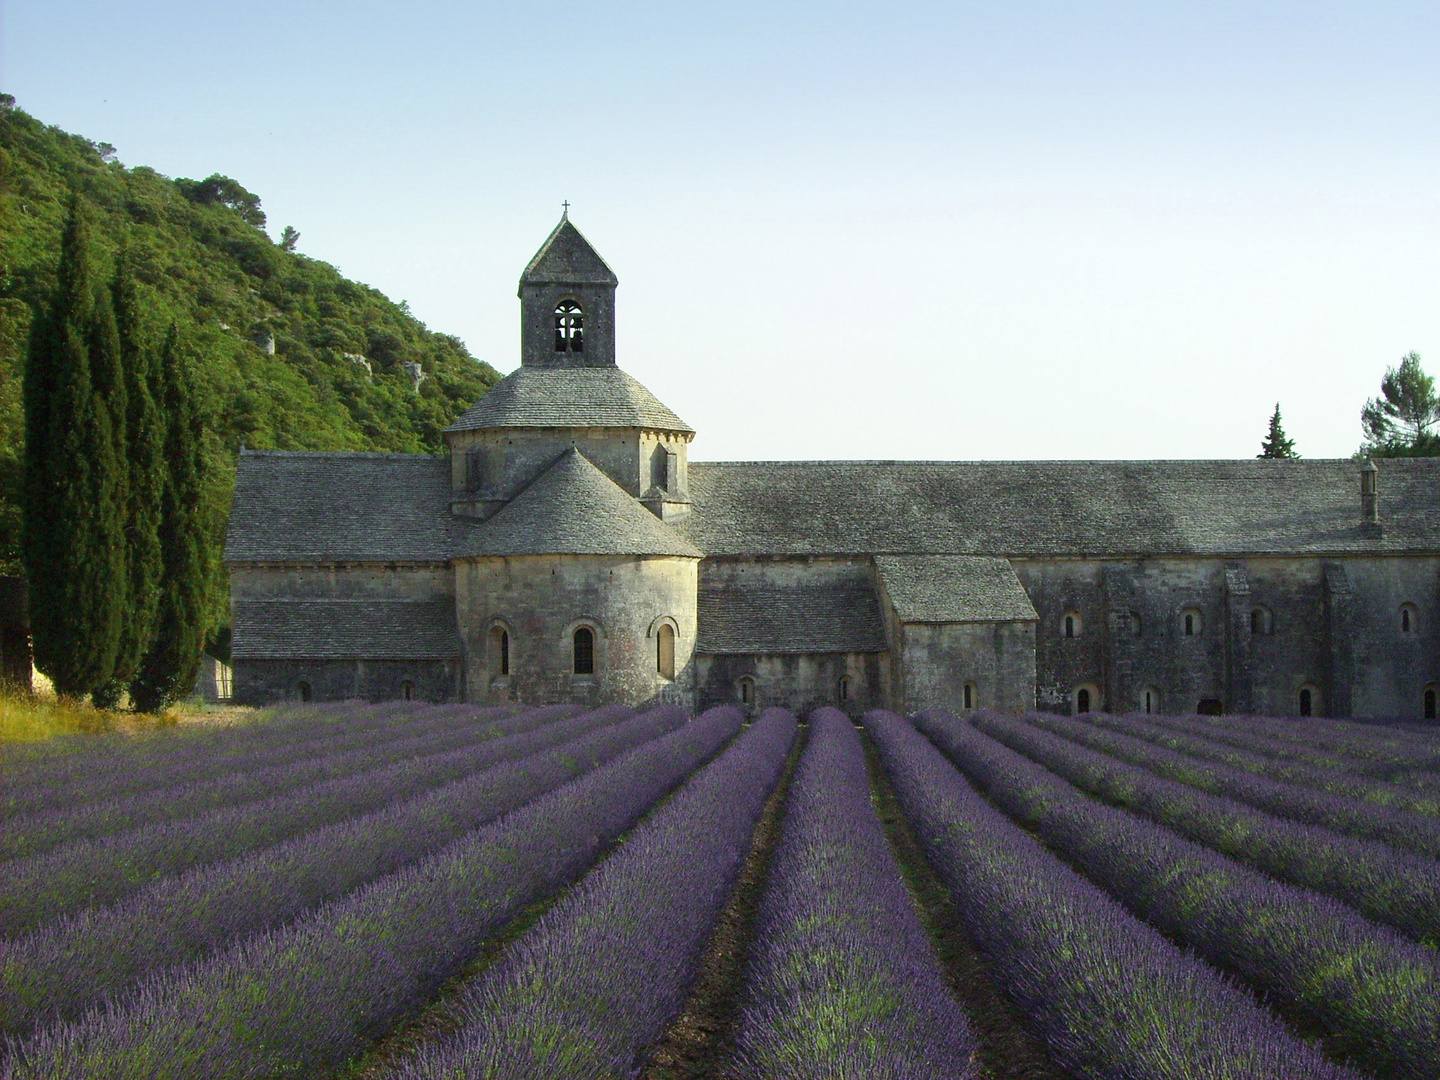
569,397
567,258
1060,508
573,508
314,507
345,630
825,615
954,588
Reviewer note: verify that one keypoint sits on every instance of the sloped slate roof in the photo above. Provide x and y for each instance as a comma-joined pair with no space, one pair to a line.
569,397
312,507
954,588
825,615
573,508
1060,508
566,258
345,630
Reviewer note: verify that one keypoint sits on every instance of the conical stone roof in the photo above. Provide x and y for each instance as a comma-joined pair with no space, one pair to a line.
574,509
569,398
566,258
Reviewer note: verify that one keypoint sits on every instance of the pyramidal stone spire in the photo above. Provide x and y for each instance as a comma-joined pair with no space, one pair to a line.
567,304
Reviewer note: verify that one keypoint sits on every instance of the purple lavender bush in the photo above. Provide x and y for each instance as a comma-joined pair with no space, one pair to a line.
1364,750
28,834
1352,817
843,979
1109,995
300,1000
119,767
1370,990
56,971
87,873
1378,792
1394,887
597,979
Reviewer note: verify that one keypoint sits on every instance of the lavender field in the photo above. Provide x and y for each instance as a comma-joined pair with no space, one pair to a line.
393,891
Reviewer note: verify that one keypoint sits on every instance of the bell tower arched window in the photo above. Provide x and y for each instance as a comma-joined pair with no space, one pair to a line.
569,327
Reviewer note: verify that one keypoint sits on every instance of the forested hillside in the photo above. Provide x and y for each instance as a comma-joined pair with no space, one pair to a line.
287,353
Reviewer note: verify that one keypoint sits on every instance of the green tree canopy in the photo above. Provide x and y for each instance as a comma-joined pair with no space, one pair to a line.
74,553
1398,422
217,190
1275,443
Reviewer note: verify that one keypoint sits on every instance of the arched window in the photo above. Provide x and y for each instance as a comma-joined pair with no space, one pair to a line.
569,327
1072,625
302,689
1150,700
842,688
665,651
1085,698
500,651
1409,619
407,690
1191,622
1309,700
1431,701
1082,700
1262,622
584,650
746,686
971,696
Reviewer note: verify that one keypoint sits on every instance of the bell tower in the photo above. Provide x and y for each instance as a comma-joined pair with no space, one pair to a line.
567,304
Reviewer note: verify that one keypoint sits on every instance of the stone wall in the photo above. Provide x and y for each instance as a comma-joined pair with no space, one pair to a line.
798,682
539,601
1329,626
511,458
260,682
996,659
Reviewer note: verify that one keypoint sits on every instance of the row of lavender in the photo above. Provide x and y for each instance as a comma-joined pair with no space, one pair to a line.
89,768
304,997
85,873
1108,993
840,978
1387,883
1211,872
424,733
59,969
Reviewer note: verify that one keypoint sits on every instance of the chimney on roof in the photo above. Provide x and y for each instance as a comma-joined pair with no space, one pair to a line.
1369,491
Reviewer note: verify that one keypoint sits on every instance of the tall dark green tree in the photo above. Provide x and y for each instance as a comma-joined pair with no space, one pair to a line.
144,454
1275,443
73,521
169,669
1398,422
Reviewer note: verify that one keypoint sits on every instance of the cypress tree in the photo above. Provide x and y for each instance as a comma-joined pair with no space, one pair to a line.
1275,443
145,458
169,669
73,553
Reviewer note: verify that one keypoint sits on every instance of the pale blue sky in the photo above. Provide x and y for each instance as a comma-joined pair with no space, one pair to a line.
842,230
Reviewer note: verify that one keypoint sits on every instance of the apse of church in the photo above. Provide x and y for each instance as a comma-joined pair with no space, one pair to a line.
565,549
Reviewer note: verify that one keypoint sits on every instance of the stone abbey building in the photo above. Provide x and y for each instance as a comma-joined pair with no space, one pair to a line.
565,549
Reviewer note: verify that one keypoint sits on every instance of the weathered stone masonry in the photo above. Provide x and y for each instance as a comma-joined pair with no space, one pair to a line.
565,549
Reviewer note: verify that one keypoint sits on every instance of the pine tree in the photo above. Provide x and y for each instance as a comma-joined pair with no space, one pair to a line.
73,542
1276,445
1398,422
145,458
169,669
